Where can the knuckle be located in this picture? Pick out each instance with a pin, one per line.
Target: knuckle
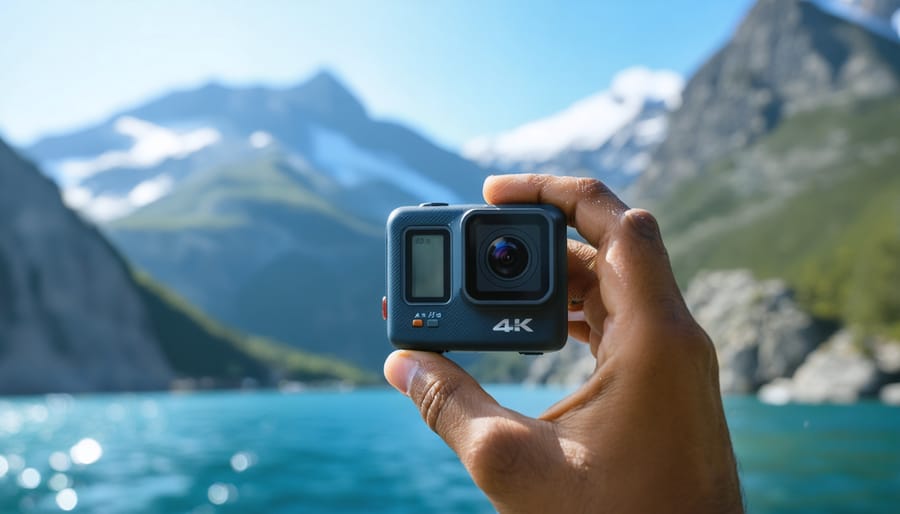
(434, 402)
(643, 223)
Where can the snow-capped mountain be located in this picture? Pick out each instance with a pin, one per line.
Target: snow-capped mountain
(139, 156)
(263, 207)
(609, 135)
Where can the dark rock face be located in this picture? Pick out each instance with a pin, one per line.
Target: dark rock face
(759, 331)
(787, 56)
(70, 317)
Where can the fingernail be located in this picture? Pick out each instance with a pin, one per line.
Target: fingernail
(399, 370)
(576, 316)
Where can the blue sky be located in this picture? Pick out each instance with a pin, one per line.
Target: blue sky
(451, 69)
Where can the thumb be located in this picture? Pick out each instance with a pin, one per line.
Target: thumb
(449, 399)
(499, 447)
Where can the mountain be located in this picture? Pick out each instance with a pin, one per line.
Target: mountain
(609, 135)
(65, 298)
(264, 207)
(786, 58)
(782, 162)
(807, 194)
(142, 154)
(73, 318)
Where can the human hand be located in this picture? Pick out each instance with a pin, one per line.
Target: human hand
(646, 433)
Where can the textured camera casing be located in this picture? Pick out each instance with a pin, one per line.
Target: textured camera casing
(464, 323)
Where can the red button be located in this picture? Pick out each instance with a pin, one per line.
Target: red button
(384, 307)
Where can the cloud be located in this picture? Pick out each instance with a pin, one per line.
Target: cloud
(152, 144)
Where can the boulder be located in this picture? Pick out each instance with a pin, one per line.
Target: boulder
(890, 394)
(759, 331)
(838, 371)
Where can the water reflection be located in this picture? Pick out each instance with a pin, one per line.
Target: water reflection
(29, 478)
(87, 451)
(67, 499)
(367, 451)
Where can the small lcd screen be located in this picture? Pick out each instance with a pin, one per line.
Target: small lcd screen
(428, 274)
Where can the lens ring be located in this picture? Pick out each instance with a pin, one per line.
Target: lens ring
(507, 257)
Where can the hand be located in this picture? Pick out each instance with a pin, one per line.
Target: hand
(646, 433)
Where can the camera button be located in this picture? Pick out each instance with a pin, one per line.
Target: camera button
(433, 204)
(384, 307)
(418, 323)
(431, 323)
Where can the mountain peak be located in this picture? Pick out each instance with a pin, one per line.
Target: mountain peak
(608, 133)
(786, 57)
(326, 95)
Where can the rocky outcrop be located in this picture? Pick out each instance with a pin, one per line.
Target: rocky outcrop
(70, 317)
(759, 331)
(844, 369)
(837, 372)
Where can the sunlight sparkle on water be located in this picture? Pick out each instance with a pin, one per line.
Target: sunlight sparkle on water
(4, 466)
(37, 413)
(58, 482)
(29, 478)
(87, 451)
(16, 462)
(240, 461)
(59, 461)
(67, 499)
(220, 493)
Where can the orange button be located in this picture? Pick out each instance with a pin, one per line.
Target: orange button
(418, 323)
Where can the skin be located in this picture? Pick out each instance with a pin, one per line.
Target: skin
(646, 432)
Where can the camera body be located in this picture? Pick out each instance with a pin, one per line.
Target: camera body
(477, 278)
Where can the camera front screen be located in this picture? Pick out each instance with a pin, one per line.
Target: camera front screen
(427, 261)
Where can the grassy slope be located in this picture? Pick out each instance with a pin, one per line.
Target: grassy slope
(835, 237)
(196, 346)
(204, 201)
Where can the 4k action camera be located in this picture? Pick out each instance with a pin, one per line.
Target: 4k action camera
(476, 277)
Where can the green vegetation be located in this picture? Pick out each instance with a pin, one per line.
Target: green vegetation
(197, 346)
(218, 199)
(823, 213)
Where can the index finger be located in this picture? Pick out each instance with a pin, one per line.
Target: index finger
(590, 207)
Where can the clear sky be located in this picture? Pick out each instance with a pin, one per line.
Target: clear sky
(451, 69)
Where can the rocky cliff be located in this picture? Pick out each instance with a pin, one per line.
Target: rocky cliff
(73, 317)
(786, 57)
(70, 317)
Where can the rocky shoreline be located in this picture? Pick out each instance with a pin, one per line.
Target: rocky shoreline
(768, 345)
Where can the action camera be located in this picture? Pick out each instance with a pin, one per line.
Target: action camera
(476, 278)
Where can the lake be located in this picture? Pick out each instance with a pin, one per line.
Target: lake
(368, 451)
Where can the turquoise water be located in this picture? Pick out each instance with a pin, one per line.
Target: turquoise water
(367, 451)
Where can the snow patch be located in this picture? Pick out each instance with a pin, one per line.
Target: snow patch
(260, 139)
(585, 125)
(152, 145)
(105, 207)
(150, 190)
(352, 166)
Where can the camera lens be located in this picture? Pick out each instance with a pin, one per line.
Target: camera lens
(507, 257)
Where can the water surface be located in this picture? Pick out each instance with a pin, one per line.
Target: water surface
(368, 451)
